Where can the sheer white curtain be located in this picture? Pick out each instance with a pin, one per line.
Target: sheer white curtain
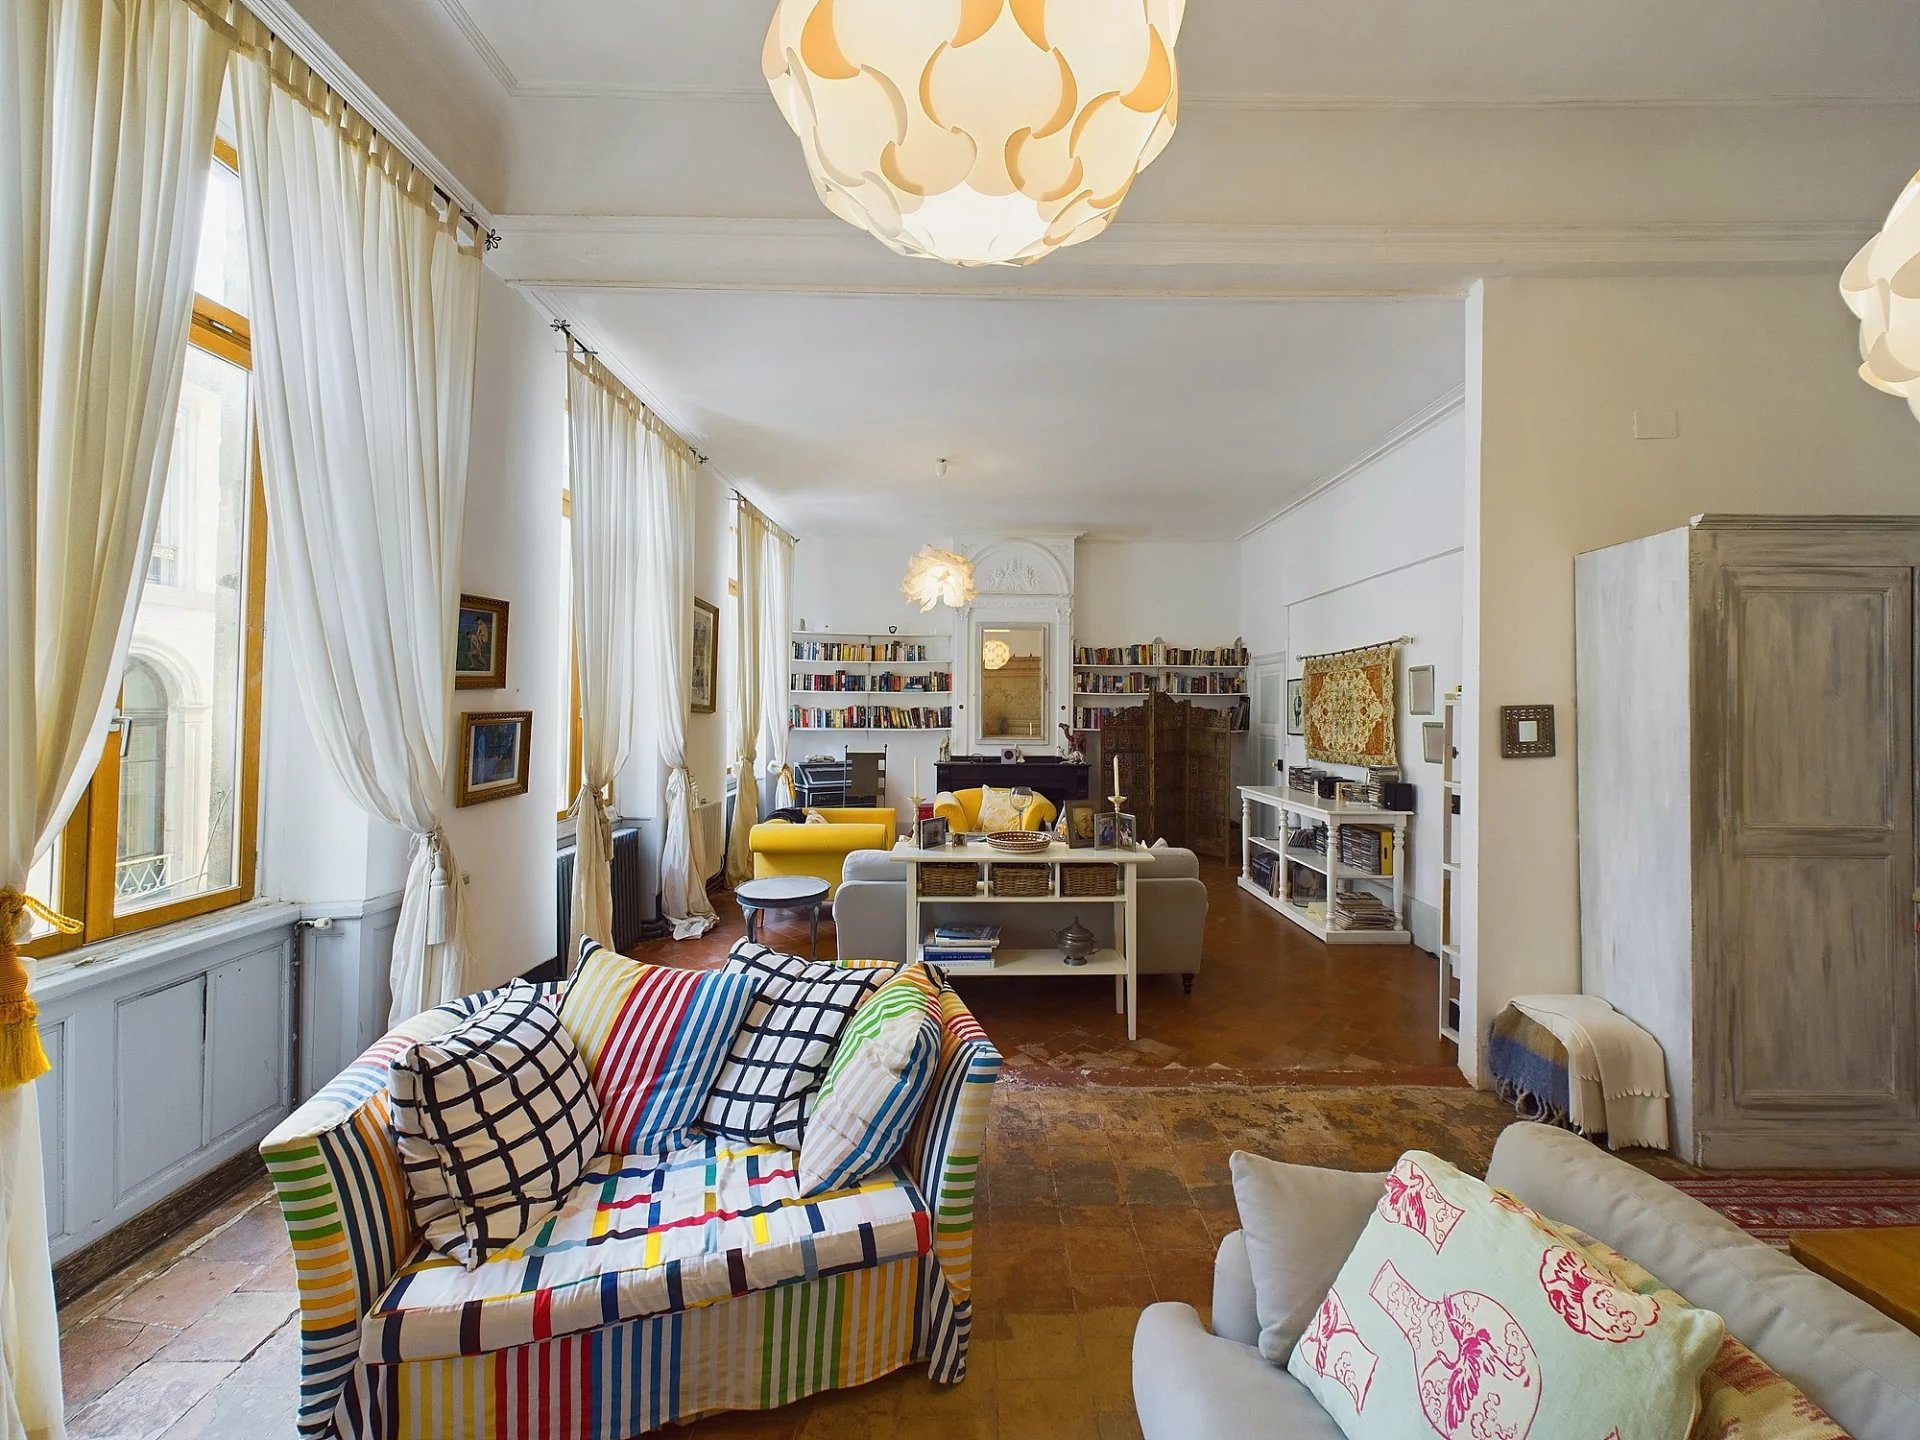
(776, 623)
(666, 476)
(365, 307)
(751, 671)
(98, 238)
(605, 434)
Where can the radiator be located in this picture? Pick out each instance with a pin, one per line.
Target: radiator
(710, 824)
(632, 896)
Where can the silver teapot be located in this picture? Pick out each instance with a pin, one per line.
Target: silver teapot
(1077, 943)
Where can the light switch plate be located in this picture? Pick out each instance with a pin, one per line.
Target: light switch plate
(1656, 424)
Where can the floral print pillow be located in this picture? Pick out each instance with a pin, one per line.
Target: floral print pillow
(1460, 1313)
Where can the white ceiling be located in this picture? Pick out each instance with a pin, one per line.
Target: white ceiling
(1355, 49)
(1127, 418)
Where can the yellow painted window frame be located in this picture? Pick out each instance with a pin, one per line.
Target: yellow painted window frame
(84, 874)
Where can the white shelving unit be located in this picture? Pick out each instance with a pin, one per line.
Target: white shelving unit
(1451, 872)
(1016, 962)
(1292, 805)
(939, 662)
(1157, 675)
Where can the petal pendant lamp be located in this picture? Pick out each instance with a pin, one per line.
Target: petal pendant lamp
(1882, 287)
(938, 577)
(979, 132)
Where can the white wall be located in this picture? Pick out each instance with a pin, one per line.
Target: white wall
(1772, 418)
(515, 476)
(1375, 556)
(1184, 592)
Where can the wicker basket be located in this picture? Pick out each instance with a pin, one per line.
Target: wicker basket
(1019, 881)
(1089, 882)
(949, 877)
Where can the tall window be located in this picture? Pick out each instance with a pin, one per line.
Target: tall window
(567, 674)
(167, 827)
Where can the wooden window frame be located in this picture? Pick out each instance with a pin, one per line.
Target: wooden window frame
(84, 871)
(575, 737)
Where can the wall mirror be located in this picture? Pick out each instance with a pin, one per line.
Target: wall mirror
(1010, 681)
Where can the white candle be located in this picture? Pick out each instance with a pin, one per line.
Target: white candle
(1116, 774)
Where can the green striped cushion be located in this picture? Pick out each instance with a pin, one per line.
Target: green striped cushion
(880, 1072)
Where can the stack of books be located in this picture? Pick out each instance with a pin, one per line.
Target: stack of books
(1358, 910)
(961, 947)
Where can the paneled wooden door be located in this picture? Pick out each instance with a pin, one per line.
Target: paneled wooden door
(1808, 961)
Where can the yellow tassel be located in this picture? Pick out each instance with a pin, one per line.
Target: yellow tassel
(22, 1056)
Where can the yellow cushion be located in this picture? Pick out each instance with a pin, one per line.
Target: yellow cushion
(998, 810)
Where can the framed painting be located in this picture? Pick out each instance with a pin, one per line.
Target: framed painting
(480, 644)
(1078, 815)
(706, 657)
(1420, 690)
(494, 747)
(1296, 707)
(1433, 742)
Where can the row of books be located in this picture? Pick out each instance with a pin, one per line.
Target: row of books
(961, 947)
(840, 681)
(1158, 654)
(869, 717)
(857, 652)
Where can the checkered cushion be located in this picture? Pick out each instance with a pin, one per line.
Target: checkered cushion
(783, 1049)
(503, 1106)
(880, 1073)
(653, 1039)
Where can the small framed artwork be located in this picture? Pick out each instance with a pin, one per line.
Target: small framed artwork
(1078, 815)
(1106, 830)
(706, 658)
(932, 833)
(1420, 690)
(480, 644)
(494, 746)
(1296, 707)
(1433, 742)
(1129, 832)
(1526, 732)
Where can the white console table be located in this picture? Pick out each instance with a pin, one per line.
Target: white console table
(1013, 960)
(1298, 804)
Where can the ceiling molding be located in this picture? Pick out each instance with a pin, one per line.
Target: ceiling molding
(1415, 425)
(826, 256)
(495, 62)
(280, 17)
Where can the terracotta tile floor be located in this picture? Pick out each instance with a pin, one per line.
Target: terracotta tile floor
(1269, 998)
(1104, 1188)
(1094, 1202)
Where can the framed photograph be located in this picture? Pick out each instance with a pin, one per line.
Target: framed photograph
(1078, 815)
(494, 745)
(931, 833)
(480, 644)
(1106, 830)
(1129, 836)
(1420, 690)
(1526, 732)
(706, 657)
(1296, 707)
(1433, 742)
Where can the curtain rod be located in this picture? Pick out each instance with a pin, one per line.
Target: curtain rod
(1356, 649)
(772, 523)
(622, 391)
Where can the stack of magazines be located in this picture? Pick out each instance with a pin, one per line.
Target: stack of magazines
(961, 947)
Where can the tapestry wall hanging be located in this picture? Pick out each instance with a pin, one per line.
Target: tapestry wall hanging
(1350, 706)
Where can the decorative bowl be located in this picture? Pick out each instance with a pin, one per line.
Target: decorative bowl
(1019, 842)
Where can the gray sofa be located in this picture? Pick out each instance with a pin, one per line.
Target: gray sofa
(870, 912)
(1192, 1383)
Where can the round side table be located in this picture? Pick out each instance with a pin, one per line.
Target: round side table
(783, 892)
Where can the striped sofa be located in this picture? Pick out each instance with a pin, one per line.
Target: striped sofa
(785, 1297)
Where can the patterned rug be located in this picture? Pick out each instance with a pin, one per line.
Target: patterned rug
(1771, 1207)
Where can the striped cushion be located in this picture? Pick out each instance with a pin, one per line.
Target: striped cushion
(653, 1039)
(880, 1073)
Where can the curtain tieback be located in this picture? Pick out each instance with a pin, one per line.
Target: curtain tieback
(22, 1057)
(589, 805)
(436, 842)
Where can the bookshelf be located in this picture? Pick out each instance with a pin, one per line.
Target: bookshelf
(857, 683)
(1452, 871)
(1110, 678)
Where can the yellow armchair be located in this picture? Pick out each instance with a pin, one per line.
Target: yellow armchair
(782, 848)
(961, 810)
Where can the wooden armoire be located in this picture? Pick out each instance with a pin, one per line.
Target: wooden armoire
(1746, 738)
(1176, 770)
